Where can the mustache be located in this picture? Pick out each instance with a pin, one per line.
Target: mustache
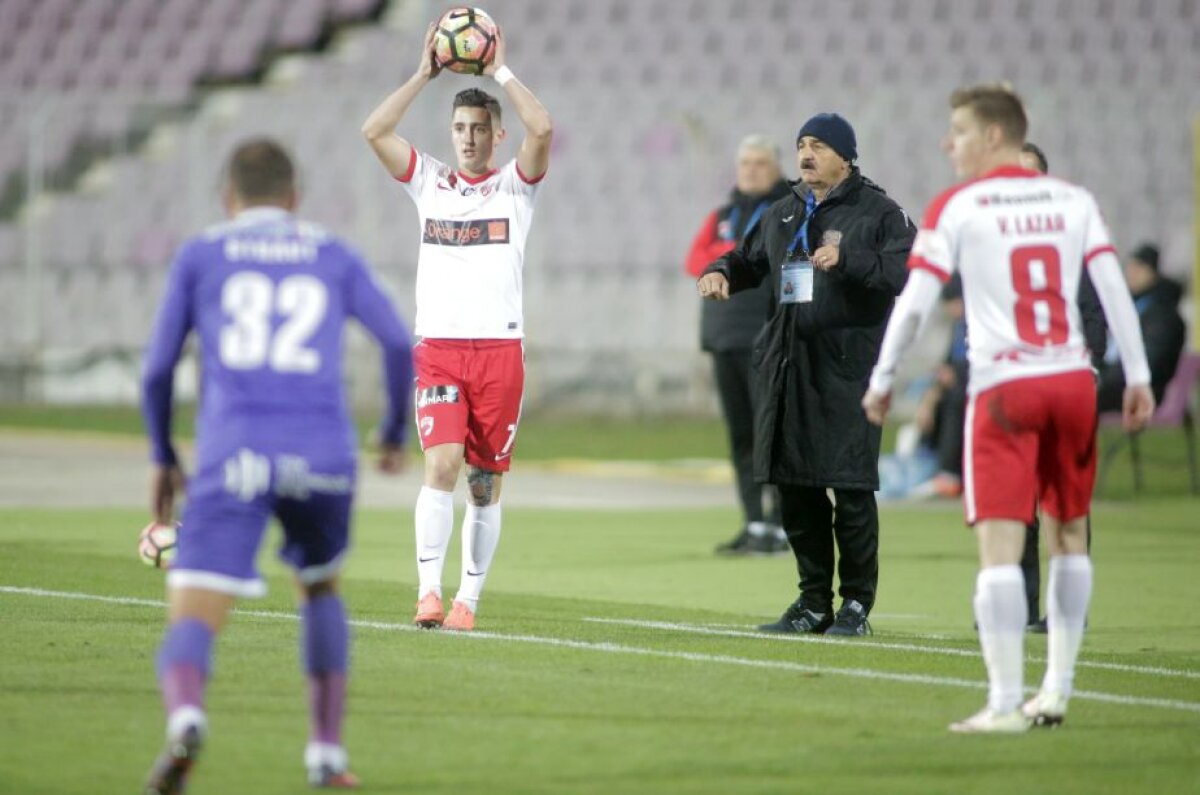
(808, 164)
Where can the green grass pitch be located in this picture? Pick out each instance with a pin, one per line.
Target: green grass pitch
(666, 693)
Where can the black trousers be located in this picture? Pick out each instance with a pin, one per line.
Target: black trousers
(731, 370)
(813, 523)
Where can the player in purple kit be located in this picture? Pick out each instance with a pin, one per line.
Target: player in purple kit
(267, 296)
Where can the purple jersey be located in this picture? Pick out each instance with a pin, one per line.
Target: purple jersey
(268, 297)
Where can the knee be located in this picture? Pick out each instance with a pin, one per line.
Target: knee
(316, 590)
(482, 486)
(441, 474)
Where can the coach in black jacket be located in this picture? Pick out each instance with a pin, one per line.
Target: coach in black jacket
(835, 253)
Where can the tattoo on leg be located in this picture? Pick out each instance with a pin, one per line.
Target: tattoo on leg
(482, 485)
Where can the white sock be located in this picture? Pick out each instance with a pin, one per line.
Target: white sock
(1067, 598)
(184, 718)
(1001, 611)
(434, 521)
(480, 537)
(757, 529)
(318, 754)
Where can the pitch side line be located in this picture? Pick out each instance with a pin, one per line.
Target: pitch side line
(699, 629)
(615, 648)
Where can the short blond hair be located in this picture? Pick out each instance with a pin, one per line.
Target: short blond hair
(994, 103)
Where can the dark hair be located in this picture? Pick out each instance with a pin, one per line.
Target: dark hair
(994, 103)
(261, 169)
(1036, 151)
(476, 98)
(1147, 254)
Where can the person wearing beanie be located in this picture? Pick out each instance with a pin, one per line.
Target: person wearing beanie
(727, 332)
(833, 253)
(1156, 299)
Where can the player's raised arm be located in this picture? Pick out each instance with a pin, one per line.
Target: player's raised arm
(534, 155)
(380, 127)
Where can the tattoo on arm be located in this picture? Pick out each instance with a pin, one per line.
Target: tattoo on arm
(482, 486)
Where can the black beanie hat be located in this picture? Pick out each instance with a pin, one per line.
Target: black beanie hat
(834, 131)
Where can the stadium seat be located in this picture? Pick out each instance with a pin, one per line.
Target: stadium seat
(1175, 411)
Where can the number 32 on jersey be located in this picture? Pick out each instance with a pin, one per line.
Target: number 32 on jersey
(250, 341)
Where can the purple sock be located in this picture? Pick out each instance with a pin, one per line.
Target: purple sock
(325, 641)
(183, 664)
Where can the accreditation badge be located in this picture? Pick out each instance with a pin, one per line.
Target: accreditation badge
(796, 285)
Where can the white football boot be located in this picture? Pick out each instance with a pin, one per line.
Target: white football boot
(988, 721)
(1047, 708)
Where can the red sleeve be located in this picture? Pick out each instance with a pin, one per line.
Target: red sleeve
(706, 247)
(412, 165)
(922, 264)
(1087, 258)
(526, 179)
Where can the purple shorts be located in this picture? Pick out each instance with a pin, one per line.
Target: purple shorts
(230, 501)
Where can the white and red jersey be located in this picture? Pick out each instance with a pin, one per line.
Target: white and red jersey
(1021, 240)
(473, 231)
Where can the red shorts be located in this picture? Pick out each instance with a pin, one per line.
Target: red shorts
(1031, 442)
(469, 393)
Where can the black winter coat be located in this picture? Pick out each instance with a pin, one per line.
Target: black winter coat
(732, 325)
(812, 360)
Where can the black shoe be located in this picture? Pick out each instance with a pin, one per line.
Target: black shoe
(170, 771)
(851, 620)
(1037, 626)
(738, 545)
(766, 544)
(798, 619)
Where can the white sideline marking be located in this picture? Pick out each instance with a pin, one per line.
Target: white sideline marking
(700, 629)
(614, 648)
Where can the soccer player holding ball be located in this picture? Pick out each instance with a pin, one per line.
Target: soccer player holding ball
(1020, 239)
(268, 296)
(469, 361)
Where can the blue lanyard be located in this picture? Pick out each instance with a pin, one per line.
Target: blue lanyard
(810, 206)
(733, 220)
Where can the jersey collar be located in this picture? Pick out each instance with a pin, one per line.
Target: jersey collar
(261, 213)
(1012, 171)
(476, 180)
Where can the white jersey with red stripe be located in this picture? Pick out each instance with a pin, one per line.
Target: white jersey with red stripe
(473, 231)
(1020, 240)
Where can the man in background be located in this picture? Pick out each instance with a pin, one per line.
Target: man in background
(727, 332)
(268, 297)
(1156, 299)
(1095, 334)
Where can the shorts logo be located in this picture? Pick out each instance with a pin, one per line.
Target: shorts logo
(476, 232)
(426, 426)
(247, 475)
(434, 395)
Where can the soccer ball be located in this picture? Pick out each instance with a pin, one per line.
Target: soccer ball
(156, 544)
(465, 41)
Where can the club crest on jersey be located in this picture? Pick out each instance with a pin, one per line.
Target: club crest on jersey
(434, 395)
(475, 232)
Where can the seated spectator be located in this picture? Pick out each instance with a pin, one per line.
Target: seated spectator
(927, 461)
(1157, 301)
